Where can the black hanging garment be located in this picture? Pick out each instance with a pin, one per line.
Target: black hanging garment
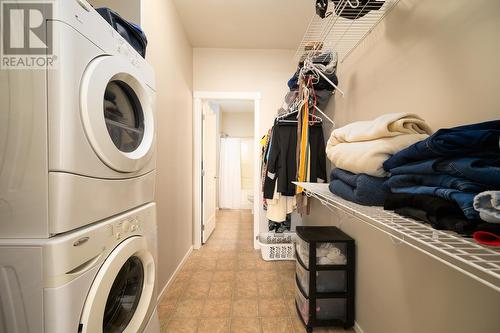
(282, 163)
(364, 7)
(322, 8)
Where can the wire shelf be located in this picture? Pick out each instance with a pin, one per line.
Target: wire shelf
(480, 262)
(338, 33)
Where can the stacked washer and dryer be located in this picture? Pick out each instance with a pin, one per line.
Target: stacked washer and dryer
(77, 176)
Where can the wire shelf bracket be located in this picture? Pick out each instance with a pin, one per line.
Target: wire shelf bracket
(482, 263)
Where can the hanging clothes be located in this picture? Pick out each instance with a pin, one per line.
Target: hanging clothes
(279, 207)
(282, 163)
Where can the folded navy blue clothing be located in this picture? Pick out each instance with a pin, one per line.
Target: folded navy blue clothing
(465, 200)
(435, 180)
(459, 224)
(451, 142)
(440, 213)
(359, 188)
(484, 170)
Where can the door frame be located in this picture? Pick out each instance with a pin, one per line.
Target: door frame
(198, 98)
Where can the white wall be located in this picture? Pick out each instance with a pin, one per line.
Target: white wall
(128, 9)
(439, 60)
(237, 124)
(171, 55)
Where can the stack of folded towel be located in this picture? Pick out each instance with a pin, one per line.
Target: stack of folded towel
(359, 188)
(359, 150)
(453, 165)
(363, 146)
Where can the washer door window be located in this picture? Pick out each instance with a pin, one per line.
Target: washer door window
(121, 296)
(117, 113)
(124, 296)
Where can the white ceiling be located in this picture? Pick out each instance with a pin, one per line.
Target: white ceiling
(234, 105)
(253, 24)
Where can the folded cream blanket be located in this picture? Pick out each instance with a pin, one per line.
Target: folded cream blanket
(362, 147)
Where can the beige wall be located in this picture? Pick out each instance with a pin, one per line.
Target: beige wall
(237, 124)
(264, 71)
(439, 60)
(171, 55)
(128, 9)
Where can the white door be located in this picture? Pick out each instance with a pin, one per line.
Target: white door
(209, 171)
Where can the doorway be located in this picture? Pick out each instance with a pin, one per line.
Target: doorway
(226, 146)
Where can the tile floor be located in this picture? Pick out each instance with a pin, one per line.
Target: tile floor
(227, 287)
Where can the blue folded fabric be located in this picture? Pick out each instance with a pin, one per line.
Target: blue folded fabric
(483, 170)
(451, 142)
(359, 188)
(465, 200)
(435, 180)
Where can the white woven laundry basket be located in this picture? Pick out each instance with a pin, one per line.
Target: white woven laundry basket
(277, 246)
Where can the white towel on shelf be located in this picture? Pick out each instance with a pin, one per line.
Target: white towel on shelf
(367, 157)
(388, 125)
(488, 205)
(363, 146)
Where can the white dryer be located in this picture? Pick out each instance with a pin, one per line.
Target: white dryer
(77, 140)
(98, 279)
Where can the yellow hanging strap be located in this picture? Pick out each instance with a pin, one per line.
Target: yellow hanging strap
(303, 145)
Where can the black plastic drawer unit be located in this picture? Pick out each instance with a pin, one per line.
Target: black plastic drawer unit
(325, 277)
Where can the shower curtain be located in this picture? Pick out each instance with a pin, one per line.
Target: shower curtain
(230, 173)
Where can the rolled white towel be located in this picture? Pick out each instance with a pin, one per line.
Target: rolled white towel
(488, 205)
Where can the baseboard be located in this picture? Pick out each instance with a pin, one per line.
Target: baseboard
(174, 275)
(358, 328)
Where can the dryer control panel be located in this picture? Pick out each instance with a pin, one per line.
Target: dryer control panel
(125, 49)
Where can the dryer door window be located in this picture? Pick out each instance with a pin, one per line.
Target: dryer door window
(124, 296)
(117, 113)
(124, 116)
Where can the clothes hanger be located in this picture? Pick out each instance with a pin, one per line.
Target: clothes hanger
(283, 118)
(326, 117)
(309, 66)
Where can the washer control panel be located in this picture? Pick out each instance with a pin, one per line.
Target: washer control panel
(126, 227)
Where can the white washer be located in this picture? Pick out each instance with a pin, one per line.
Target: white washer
(77, 141)
(98, 279)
